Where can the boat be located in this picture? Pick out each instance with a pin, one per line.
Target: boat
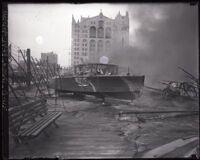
(100, 80)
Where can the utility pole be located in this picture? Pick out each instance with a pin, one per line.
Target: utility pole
(18, 56)
(47, 70)
(28, 55)
(128, 74)
(123, 42)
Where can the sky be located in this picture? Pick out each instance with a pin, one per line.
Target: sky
(47, 27)
(162, 36)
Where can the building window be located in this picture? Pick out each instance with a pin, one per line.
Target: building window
(76, 44)
(101, 23)
(76, 26)
(100, 32)
(76, 53)
(92, 45)
(84, 53)
(108, 23)
(108, 32)
(108, 46)
(84, 31)
(100, 46)
(84, 42)
(76, 40)
(92, 32)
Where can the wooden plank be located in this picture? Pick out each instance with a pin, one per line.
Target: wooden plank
(11, 110)
(41, 124)
(19, 110)
(20, 115)
(23, 111)
(38, 128)
(34, 126)
(26, 114)
(46, 124)
(48, 121)
(34, 115)
(26, 118)
(164, 149)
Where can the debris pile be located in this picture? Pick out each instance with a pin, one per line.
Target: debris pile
(186, 89)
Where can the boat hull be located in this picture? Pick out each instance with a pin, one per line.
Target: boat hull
(121, 87)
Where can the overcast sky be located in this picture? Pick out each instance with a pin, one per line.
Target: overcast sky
(162, 36)
(47, 27)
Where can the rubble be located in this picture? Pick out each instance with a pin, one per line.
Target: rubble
(174, 89)
(188, 89)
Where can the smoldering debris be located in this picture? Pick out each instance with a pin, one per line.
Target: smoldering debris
(189, 89)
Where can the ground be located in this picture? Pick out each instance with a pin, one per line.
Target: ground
(88, 129)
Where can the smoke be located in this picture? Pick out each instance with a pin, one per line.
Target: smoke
(167, 37)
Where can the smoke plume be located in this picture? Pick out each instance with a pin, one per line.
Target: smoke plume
(167, 37)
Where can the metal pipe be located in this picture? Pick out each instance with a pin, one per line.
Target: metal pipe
(33, 76)
(28, 54)
(150, 112)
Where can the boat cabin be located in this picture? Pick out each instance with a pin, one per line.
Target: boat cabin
(94, 69)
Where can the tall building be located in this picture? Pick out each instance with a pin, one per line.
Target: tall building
(94, 37)
(52, 57)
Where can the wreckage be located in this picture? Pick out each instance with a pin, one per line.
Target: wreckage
(186, 89)
(100, 80)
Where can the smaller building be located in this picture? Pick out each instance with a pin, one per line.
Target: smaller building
(52, 57)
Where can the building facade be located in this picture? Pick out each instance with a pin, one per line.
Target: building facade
(98, 36)
(52, 57)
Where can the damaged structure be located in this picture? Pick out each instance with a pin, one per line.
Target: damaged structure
(185, 89)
